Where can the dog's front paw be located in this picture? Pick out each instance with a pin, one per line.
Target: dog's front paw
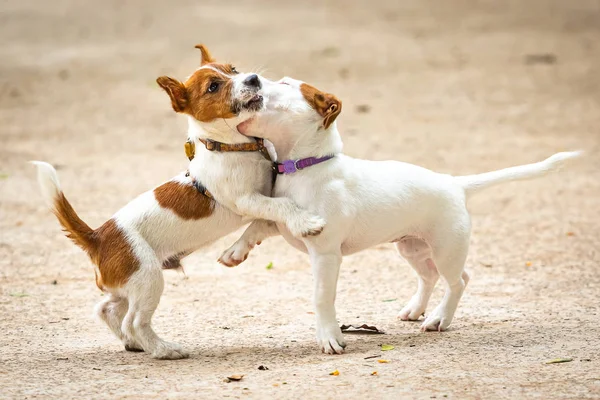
(331, 340)
(236, 254)
(436, 321)
(307, 225)
(169, 351)
(412, 311)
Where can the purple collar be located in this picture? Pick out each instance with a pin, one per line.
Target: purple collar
(290, 166)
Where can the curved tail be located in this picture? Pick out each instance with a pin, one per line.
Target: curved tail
(77, 230)
(474, 183)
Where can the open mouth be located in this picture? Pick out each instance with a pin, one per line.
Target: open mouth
(254, 104)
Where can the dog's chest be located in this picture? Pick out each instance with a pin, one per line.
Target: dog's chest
(296, 188)
(228, 176)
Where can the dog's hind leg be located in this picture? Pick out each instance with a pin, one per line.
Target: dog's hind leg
(112, 310)
(449, 255)
(418, 254)
(144, 290)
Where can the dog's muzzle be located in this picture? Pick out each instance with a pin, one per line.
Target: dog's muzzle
(253, 104)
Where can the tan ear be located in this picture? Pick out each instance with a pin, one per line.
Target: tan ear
(327, 105)
(176, 91)
(206, 58)
(334, 109)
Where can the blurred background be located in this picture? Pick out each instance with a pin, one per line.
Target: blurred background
(459, 86)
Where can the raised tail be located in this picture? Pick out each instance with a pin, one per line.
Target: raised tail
(475, 183)
(77, 230)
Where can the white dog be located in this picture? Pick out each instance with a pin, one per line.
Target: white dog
(366, 203)
(165, 224)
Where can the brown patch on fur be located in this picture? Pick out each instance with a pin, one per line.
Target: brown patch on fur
(194, 98)
(205, 58)
(115, 259)
(184, 200)
(107, 246)
(176, 91)
(327, 105)
(76, 230)
(225, 68)
(99, 281)
(204, 105)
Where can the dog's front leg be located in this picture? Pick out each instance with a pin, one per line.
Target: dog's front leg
(300, 222)
(258, 231)
(326, 268)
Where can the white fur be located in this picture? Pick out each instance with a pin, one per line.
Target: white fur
(48, 181)
(155, 234)
(367, 203)
(242, 183)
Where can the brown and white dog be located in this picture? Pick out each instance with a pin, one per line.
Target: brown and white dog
(163, 225)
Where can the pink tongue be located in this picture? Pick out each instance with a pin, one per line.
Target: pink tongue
(243, 127)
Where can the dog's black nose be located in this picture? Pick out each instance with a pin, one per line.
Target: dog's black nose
(252, 81)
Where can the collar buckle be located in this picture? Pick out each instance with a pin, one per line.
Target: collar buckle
(211, 145)
(289, 166)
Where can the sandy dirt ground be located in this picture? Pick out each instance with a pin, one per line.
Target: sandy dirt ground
(457, 86)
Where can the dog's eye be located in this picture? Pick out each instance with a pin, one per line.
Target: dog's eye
(213, 87)
(235, 71)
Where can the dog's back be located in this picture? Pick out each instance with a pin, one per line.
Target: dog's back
(166, 218)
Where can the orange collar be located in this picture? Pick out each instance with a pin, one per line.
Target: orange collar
(211, 145)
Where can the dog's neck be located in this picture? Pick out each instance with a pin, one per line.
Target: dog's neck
(223, 131)
(308, 143)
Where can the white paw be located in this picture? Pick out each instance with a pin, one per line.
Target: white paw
(169, 351)
(306, 225)
(437, 321)
(236, 254)
(412, 311)
(331, 340)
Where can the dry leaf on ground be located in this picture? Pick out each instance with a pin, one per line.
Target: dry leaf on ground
(363, 329)
(559, 360)
(234, 378)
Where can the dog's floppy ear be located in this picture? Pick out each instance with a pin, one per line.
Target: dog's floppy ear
(327, 105)
(334, 108)
(176, 91)
(206, 58)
